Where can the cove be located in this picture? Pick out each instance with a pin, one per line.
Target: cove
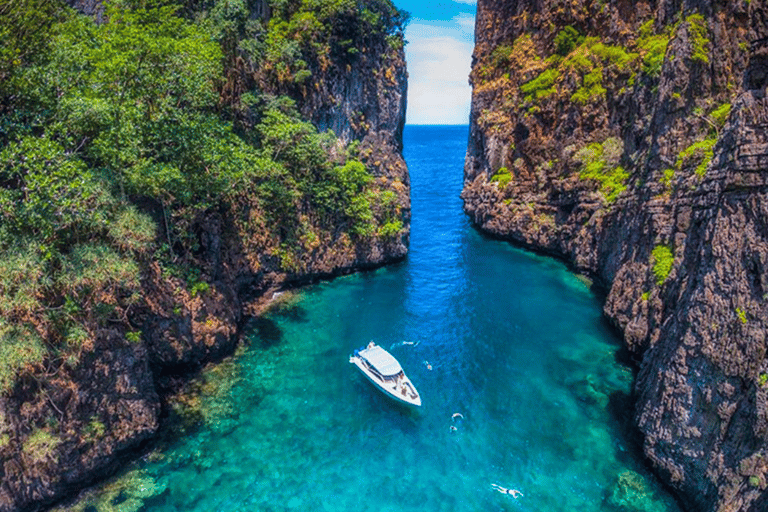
(512, 341)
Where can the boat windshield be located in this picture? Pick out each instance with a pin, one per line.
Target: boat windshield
(381, 360)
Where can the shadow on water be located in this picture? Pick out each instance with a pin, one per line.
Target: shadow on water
(265, 331)
(621, 411)
(403, 417)
(290, 311)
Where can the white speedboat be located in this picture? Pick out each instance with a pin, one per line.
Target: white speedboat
(385, 372)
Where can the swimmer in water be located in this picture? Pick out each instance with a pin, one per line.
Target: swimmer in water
(453, 429)
(404, 343)
(503, 490)
(429, 366)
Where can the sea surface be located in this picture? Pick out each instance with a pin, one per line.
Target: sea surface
(521, 380)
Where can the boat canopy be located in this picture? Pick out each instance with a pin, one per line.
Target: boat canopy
(381, 360)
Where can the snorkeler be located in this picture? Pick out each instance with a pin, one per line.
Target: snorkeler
(503, 490)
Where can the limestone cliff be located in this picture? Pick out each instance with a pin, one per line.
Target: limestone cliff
(630, 138)
(68, 423)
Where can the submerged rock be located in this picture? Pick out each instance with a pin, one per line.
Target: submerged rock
(631, 494)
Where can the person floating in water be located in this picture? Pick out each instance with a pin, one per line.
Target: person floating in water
(503, 490)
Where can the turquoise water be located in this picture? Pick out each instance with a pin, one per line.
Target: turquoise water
(512, 341)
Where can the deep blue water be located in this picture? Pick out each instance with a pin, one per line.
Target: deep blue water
(512, 341)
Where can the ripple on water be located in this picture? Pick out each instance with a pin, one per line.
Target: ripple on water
(516, 344)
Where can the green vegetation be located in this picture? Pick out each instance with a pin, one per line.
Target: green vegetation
(701, 152)
(666, 178)
(540, 87)
(500, 55)
(600, 162)
(117, 138)
(661, 263)
(720, 114)
(762, 379)
(503, 176)
(742, 315)
(566, 40)
(41, 446)
(699, 37)
(587, 59)
(591, 65)
(646, 296)
(653, 48)
(95, 429)
(302, 35)
(23, 30)
(20, 349)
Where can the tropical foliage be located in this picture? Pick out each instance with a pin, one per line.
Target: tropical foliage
(117, 136)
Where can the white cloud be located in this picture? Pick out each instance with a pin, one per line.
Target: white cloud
(439, 57)
(465, 22)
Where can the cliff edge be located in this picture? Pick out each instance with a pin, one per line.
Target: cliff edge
(150, 200)
(630, 139)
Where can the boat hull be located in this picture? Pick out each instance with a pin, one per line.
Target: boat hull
(392, 391)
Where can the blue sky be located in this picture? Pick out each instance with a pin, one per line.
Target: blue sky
(439, 52)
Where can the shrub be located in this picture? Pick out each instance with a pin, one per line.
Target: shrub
(720, 114)
(698, 33)
(590, 61)
(591, 88)
(661, 263)
(94, 430)
(95, 267)
(391, 229)
(20, 349)
(132, 231)
(503, 176)
(41, 446)
(566, 40)
(198, 288)
(23, 281)
(541, 86)
(666, 178)
(701, 151)
(48, 192)
(500, 56)
(613, 55)
(653, 48)
(600, 162)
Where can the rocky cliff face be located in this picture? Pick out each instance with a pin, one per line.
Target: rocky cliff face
(630, 138)
(74, 422)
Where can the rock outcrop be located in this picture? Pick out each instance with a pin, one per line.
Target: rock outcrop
(631, 138)
(75, 422)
